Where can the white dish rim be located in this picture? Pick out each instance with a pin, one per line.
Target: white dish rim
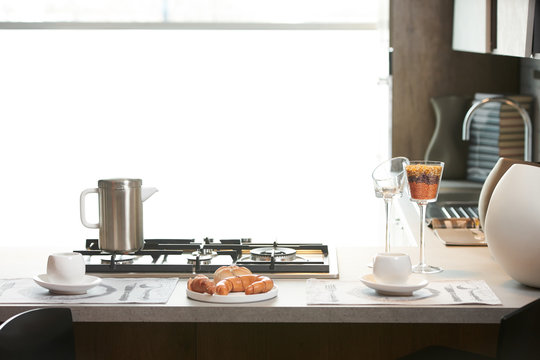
(232, 298)
(67, 289)
(395, 289)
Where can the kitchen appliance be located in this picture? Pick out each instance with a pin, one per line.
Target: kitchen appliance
(453, 210)
(120, 214)
(500, 168)
(186, 257)
(511, 224)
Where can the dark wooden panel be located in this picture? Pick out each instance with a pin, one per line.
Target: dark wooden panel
(337, 341)
(274, 341)
(424, 66)
(263, 341)
(134, 341)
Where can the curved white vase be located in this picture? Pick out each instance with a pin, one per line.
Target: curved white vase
(512, 224)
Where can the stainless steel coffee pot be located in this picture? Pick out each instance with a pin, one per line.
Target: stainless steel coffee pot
(120, 214)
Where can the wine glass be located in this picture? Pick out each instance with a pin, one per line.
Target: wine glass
(423, 179)
(389, 181)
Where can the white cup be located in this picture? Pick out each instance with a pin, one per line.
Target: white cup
(392, 268)
(65, 268)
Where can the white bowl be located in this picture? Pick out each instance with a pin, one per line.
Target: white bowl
(512, 224)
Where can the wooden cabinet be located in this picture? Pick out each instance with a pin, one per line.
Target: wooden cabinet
(472, 26)
(515, 22)
(500, 27)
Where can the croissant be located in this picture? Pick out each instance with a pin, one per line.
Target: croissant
(201, 284)
(250, 284)
(230, 271)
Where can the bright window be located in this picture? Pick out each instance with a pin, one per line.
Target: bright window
(246, 133)
(206, 11)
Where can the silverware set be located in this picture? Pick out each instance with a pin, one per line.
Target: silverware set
(332, 289)
(128, 289)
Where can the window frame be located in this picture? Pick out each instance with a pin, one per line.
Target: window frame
(186, 26)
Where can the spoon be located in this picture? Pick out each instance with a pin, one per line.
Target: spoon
(149, 288)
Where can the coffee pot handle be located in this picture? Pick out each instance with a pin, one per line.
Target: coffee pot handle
(83, 207)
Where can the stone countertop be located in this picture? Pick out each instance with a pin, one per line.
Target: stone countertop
(290, 305)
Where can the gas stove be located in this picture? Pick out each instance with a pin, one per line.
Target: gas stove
(186, 257)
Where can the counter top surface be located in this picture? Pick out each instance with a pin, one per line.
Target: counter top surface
(290, 305)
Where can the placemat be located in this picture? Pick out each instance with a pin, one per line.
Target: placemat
(447, 292)
(109, 291)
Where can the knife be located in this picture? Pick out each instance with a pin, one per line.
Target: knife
(127, 290)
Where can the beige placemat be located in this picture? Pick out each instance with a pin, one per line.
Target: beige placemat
(451, 292)
(109, 291)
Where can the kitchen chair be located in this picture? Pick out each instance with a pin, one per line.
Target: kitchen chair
(45, 333)
(519, 338)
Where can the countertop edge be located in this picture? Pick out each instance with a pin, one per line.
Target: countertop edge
(262, 314)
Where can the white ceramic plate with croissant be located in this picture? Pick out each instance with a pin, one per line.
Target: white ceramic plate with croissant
(233, 297)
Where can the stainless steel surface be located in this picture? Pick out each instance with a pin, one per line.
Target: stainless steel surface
(119, 259)
(279, 254)
(200, 256)
(448, 210)
(522, 112)
(120, 215)
(457, 199)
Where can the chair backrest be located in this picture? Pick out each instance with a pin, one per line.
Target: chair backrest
(45, 333)
(519, 334)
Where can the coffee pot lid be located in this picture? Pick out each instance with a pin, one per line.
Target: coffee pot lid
(119, 183)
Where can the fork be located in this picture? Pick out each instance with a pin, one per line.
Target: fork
(452, 292)
(148, 289)
(127, 290)
(332, 289)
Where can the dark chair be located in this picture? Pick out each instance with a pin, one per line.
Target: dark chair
(45, 333)
(519, 339)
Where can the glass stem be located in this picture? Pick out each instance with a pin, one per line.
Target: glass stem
(387, 208)
(422, 207)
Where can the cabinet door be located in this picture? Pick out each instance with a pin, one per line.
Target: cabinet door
(515, 20)
(472, 26)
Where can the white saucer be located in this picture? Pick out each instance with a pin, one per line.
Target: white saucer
(414, 282)
(87, 282)
(232, 298)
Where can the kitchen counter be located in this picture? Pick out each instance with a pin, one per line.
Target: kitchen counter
(290, 305)
(286, 327)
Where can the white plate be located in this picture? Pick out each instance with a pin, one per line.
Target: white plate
(87, 282)
(232, 298)
(415, 282)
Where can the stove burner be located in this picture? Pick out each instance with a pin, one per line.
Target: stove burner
(184, 257)
(119, 259)
(204, 252)
(197, 255)
(278, 253)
